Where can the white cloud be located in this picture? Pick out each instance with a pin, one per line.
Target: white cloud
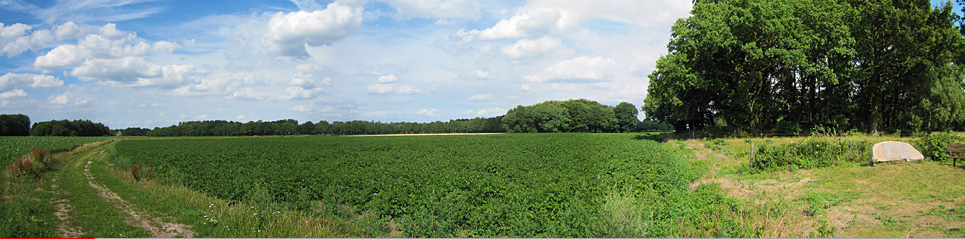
(446, 9)
(13, 94)
(580, 68)
(526, 88)
(480, 97)
(70, 30)
(298, 92)
(72, 96)
(428, 112)
(388, 79)
(127, 69)
(14, 39)
(490, 112)
(219, 84)
(527, 48)
(481, 74)
(110, 43)
(288, 33)
(13, 80)
(247, 93)
(393, 88)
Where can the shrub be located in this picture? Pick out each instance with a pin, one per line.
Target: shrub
(810, 153)
(934, 146)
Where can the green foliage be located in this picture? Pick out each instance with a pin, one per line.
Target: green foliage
(790, 65)
(810, 153)
(12, 147)
(355, 127)
(570, 116)
(935, 146)
(513, 185)
(69, 128)
(14, 125)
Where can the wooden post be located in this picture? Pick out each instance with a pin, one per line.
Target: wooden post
(752, 153)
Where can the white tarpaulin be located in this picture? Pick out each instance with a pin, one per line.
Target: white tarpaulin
(894, 151)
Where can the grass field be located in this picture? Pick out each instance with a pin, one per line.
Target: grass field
(922, 199)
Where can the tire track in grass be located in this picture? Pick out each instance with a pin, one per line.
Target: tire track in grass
(138, 219)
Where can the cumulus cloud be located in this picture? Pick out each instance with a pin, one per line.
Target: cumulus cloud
(428, 112)
(14, 80)
(527, 48)
(304, 77)
(72, 96)
(70, 30)
(446, 9)
(480, 97)
(289, 33)
(580, 68)
(481, 74)
(487, 112)
(127, 69)
(14, 39)
(18, 93)
(393, 88)
(220, 84)
(109, 43)
(299, 92)
(388, 79)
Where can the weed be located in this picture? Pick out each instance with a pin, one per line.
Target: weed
(139, 172)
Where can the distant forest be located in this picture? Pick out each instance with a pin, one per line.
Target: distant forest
(551, 116)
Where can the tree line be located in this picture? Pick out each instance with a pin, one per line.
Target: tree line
(793, 65)
(292, 127)
(550, 116)
(576, 116)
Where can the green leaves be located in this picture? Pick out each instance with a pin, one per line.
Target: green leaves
(810, 63)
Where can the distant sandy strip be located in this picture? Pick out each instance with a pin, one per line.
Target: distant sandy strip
(367, 135)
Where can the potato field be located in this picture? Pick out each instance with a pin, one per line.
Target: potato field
(511, 185)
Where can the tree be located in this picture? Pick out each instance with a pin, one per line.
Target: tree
(751, 65)
(14, 125)
(626, 115)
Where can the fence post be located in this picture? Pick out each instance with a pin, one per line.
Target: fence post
(752, 153)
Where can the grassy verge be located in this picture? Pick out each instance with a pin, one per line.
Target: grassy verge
(849, 200)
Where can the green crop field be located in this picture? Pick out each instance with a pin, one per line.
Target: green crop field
(15, 146)
(515, 185)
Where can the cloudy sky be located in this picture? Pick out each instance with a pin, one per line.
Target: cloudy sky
(148, 63)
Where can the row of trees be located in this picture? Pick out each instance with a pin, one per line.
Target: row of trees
(551, 116)
(571, 116)
(761, 65)
(291, 127)
(14, 125)
(69, 128)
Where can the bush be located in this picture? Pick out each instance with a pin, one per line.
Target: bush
(934, 146)
(810, 153)
(35, 164)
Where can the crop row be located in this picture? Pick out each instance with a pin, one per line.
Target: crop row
(15, 146)
(541, 185)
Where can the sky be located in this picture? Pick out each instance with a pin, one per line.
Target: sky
(154, 63)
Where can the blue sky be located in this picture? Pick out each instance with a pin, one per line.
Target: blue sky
(149, 63)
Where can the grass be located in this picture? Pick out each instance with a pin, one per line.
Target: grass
(917, 199)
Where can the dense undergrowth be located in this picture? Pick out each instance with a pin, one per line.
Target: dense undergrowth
(546, 185)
